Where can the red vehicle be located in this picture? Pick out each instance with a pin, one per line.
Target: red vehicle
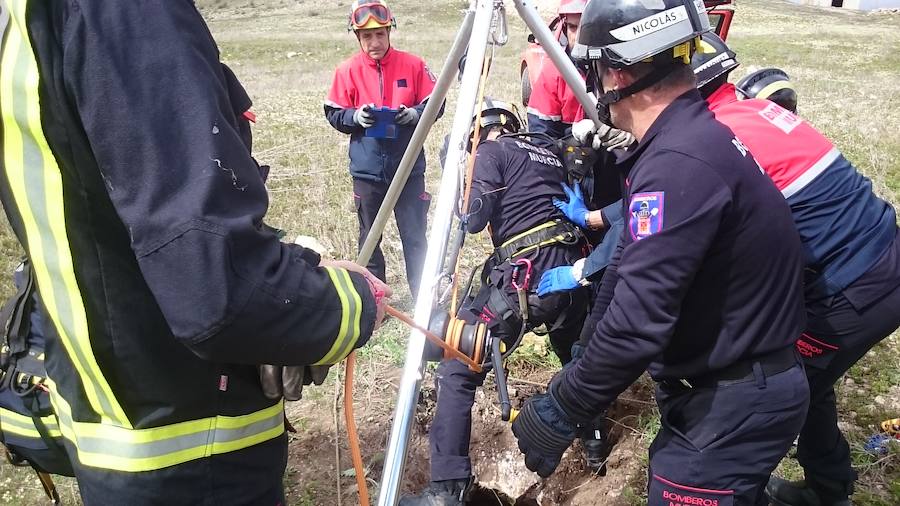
(720, 14)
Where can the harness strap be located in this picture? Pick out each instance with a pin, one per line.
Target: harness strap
(545, 234)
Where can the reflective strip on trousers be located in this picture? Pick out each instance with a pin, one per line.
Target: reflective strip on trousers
(36, 185)
(22, 425)
(351, 314)
(135, 450)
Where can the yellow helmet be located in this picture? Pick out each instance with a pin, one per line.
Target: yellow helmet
(365, 14)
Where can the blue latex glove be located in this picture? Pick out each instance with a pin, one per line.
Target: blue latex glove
(574, 209)
(544, 432)
(557, 279)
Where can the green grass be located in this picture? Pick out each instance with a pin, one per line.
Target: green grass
(844, 65)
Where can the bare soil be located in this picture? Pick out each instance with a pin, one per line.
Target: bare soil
(501, 476)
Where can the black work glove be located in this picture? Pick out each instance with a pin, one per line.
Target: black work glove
(544, 432)
(288, 381)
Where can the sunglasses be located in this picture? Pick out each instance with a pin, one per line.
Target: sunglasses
(362, 14)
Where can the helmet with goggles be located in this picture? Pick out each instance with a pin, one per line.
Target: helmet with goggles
(367, 14)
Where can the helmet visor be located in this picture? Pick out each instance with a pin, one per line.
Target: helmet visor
(374, 12)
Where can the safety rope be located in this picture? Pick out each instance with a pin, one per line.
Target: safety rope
(475, 366)
(470, 172)
(352, 434)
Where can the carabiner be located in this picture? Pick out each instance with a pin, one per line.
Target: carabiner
(517, 267)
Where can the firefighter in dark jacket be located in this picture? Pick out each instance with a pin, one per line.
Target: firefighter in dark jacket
(142, 211)
(688, 295)
(382, 76)
(515, 179)
(852, 254)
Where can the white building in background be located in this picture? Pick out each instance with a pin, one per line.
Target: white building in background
(862, 5)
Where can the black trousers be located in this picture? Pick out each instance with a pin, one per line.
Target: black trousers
(718, 445)
(451, 428)
(837, 336)
(411, 214)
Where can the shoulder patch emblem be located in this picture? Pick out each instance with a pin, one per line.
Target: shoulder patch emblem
(646, 211)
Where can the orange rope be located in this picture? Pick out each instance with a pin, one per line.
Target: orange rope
(352, 435)
(470, 171)
(433, 338)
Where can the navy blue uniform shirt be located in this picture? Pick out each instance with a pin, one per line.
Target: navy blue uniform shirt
(708, 271)
(514, 183)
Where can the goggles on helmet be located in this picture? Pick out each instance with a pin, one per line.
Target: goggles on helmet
(379, 13)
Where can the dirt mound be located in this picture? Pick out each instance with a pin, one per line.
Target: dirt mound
(502, 478)
(499, 466)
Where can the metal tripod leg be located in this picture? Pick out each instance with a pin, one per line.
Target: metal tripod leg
(395, 455)
(529, 14)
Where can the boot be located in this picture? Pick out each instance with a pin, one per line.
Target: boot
(441, 493)
(595, 449)
(809, 492)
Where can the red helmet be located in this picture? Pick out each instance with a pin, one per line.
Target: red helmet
(571, 7)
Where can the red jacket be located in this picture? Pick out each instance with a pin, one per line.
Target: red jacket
(399, 78)
(552, 107)
(845, 228)
(790, 150)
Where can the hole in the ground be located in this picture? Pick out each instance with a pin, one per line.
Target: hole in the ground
(483, 496)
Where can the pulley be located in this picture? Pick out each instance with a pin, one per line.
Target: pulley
(475, 341)
(472, 340)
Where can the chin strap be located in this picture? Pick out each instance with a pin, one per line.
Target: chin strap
(613, 96)
(655, 76)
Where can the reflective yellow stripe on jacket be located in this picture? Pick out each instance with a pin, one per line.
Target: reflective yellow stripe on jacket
(21, 425)
(134, 450)
(351, 314)
(36, 185)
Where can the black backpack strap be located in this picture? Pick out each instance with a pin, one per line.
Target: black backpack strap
(15, 316)
(52, 443)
